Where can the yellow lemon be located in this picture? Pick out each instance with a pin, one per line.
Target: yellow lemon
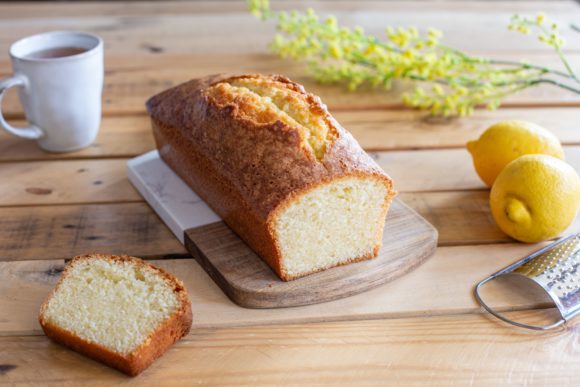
(506, 141)
(535, 198)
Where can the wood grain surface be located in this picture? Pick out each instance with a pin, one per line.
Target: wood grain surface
(426, 327)
(375, 129)
(467, 349)
(105, 180)
(62, 231)
(449, 274)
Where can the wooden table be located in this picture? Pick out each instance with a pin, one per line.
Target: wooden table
(53, 206)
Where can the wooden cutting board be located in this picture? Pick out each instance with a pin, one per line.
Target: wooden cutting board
(408, 240)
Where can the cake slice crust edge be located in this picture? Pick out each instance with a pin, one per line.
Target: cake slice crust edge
(158, 341)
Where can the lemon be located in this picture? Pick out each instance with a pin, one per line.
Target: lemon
(505, 141)
(535, 198)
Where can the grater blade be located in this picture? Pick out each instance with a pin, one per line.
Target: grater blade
(556, 269)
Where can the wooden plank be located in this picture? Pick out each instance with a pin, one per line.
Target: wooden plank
(105, 181)
(430, 170)
(52, 232)
(376, 130)
(121, 136)
(441, 170)
(445, 350)
(75, 181)
(443, 285)
(408, 129)
(461, 218)
(179, 30)
(131, 79)
(21, 10)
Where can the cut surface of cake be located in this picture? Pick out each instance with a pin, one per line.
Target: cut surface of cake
(117, 309)
(268, 157)
(335, 223)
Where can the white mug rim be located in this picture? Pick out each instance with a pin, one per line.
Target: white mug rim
(90, 52)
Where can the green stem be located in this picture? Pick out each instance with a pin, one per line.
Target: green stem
(558, 51)
(555, 83)
(566, 64)
(469, 59)
(531, 84)
(531, 66)
(569, 75)
(359, 59)
(500, 96)
(524, 83)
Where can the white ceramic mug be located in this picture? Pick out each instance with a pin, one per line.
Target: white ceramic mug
(61, 95)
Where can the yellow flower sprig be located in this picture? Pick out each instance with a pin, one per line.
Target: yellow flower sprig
(458, 82)
(549, 36)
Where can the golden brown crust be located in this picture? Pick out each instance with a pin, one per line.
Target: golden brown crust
(244, 169)
(159, 341)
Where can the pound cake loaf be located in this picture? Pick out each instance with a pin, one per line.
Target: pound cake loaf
(118, 310)
(268, 158)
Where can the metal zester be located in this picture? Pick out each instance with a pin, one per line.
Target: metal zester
(556, 268)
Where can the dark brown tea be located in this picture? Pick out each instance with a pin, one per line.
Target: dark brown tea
(57, 52)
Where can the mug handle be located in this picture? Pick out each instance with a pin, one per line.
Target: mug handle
(30, 132)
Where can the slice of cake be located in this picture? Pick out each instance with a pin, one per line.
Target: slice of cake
(118, 310)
